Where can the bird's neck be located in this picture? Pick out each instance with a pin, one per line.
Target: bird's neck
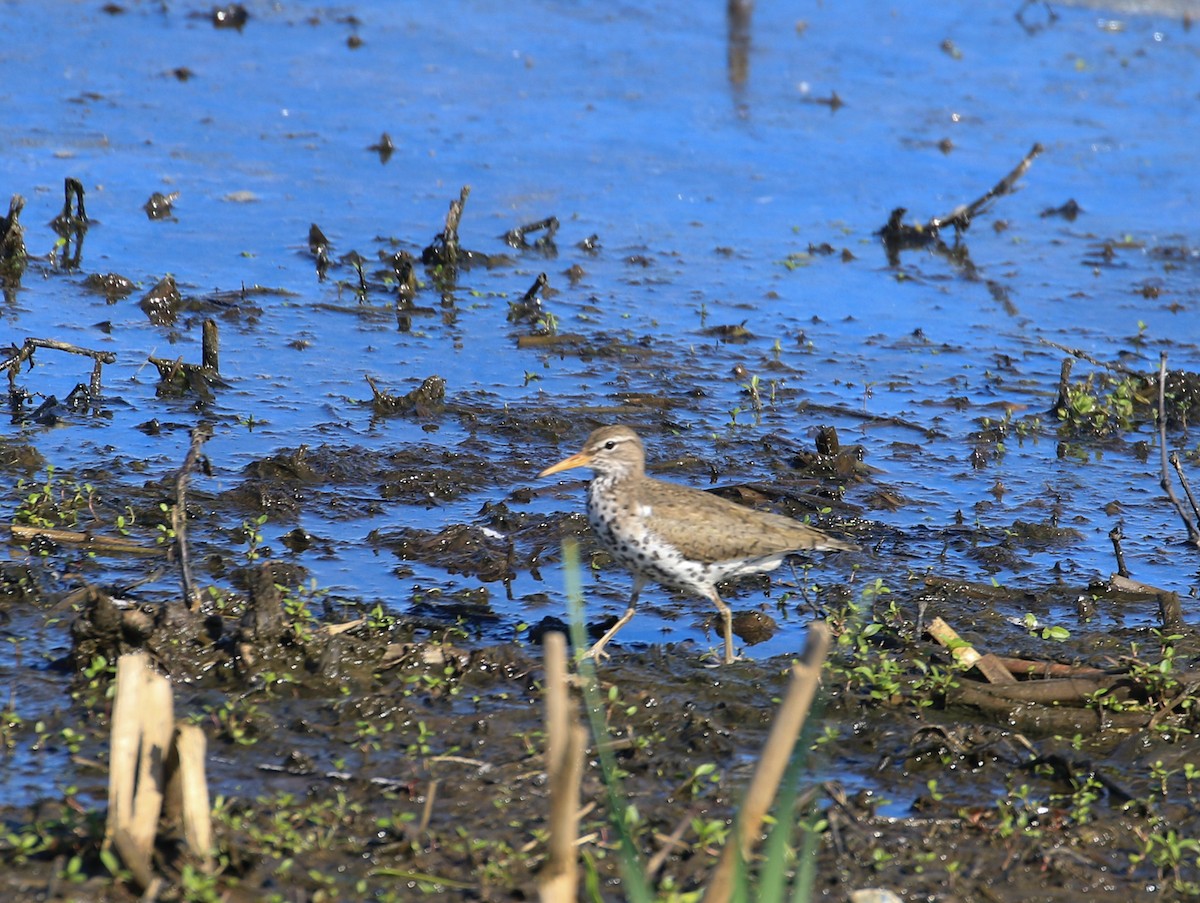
(610, 483)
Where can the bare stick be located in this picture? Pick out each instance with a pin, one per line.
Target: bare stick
(1116, 534)
(427, 809)
(93, 543)
(670, 844)
(94, 382)
(453, 218)
(158, 728)
(1127, 585)
(989, 666)
(1183, 481)
(25, 353)
(210, 346)
(897, 236)
(179, 515)
(565, 742)
(785, 731)
(29, 345)
(1165, 480)
(1084, 356)
(962, 216)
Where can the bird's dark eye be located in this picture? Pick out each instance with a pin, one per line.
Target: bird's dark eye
(610, 445)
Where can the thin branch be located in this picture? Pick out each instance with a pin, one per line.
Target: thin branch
(1183, 481)
(1165, 480)
(1116, 534)
(1084, 356)
(179, 514)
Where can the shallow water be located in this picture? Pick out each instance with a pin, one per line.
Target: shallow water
(627, 122)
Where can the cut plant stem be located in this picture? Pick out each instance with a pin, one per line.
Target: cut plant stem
(785, 730)
(565, 743)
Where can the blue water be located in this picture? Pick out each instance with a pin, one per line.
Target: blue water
(622, 121)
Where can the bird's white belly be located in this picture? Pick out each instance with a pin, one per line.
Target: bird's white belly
(626, 535)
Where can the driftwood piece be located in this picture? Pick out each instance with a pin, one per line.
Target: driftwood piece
(1030, 717)
(988, 665)
(898, 236)
(89, 541)
(1084, 356)
(25, 353)
(516, 237)
(1027, 668)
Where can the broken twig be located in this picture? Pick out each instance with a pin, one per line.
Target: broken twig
(988, 665)
(25, 353)
(1165, 479)
(179, 515)
(898, 236)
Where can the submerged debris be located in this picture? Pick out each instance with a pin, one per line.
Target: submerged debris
(427, 399)
(112, 286)
(1068, 211)
(318, 246)
(161, 303)
(178, 378)
(384, 147)
(74, 218)
(12, 239)
(898, 236)
(529, 309)
(159, 205)
(459, 548)
(516, 238)
(445, 251)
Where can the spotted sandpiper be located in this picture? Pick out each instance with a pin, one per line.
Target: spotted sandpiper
(681, 537)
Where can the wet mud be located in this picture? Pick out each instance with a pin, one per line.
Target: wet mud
(357, 752)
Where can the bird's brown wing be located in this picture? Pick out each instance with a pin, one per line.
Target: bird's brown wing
(709, 528)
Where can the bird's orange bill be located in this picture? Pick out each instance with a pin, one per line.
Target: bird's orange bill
(582, 459)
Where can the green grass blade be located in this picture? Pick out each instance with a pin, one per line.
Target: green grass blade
(633, 875)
